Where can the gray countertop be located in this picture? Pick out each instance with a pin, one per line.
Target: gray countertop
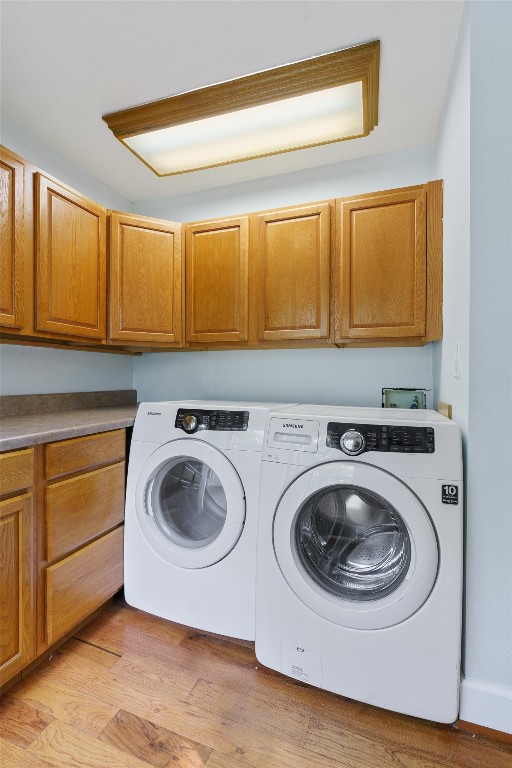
(31, 420)
(36, 428)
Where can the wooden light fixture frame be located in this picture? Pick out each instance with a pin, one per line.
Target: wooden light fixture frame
(350, 65)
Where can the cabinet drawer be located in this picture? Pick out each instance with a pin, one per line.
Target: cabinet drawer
(81, 453)
(16, 471)
(82, 507)
(80, 583)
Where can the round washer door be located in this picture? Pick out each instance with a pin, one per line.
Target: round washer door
(355, 545)
(190, 503)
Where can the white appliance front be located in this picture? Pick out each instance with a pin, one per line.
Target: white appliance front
(355, 545)
(191, 513)
(359, 572)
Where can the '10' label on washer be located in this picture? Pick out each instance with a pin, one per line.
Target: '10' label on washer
(450, 494)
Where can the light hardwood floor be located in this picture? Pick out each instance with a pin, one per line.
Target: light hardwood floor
(132, 691)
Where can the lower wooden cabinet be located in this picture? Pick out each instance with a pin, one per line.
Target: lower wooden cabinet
(17, 625)
(61, 541)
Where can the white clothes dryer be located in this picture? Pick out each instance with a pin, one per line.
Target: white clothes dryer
(191, 513)
(359, 564)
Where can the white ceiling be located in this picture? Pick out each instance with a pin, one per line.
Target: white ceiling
(65, 64)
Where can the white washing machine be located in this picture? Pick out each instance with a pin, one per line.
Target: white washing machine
(359, 565)
(191, 513)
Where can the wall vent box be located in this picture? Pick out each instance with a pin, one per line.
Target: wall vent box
(404, 398)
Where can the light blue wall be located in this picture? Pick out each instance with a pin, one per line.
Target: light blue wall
(40, 370)
(335, 376)
(474, 157)
(452, 164)
(488, 657)
(29, 147)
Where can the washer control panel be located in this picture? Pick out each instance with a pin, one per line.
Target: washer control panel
(354, 439)
(191, 421)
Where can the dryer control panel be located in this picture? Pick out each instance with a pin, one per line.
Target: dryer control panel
(191, 421)
(354, 439)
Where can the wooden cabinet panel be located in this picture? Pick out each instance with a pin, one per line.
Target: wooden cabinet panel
(16, 471)
(434, 313)
(79, 509)
(12, 240)
(145, 299)
(217, 281)
(80, 583)
(383, 265)
(17, 630)
(79, 453)
(70, 256)
(293, 266)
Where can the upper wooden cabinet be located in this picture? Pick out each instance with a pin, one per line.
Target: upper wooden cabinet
(12, 241)
(70, 257)
(384, 286)
(364, 270)
(292, 251)
(217, 281)
(145, 266)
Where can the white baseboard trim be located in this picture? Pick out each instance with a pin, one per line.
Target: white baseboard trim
(487, 705)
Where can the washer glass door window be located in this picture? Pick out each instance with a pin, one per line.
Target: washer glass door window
(356, 545)
(190, 503)
(353, 543)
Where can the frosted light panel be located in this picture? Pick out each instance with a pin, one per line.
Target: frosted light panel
(315, 118)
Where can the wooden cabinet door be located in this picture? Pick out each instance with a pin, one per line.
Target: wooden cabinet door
(17, 629)
(292, 253)
(217, 281)
(383, 265)
(70, 255)
(12, 240)
(145, 291)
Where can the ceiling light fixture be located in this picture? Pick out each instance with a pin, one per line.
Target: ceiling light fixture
(317, 101)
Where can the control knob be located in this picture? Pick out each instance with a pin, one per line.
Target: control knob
(190, 422)
(352, 442)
